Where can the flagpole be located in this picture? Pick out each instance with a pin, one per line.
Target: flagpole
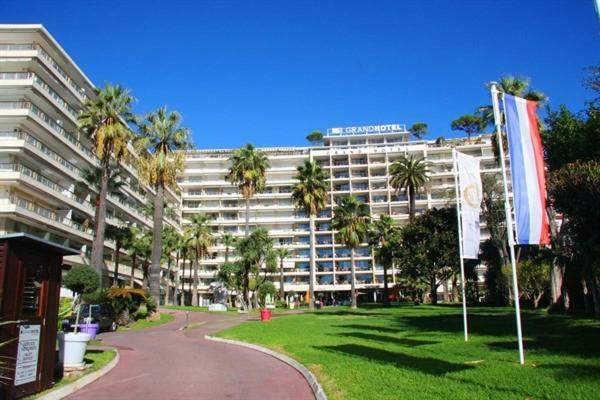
(509, 223)
(460, 245)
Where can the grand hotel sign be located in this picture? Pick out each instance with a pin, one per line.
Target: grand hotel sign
(367, 129)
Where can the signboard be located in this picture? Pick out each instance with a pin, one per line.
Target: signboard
(367, 129)
(27, 354)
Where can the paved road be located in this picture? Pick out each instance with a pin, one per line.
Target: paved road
(166, 363)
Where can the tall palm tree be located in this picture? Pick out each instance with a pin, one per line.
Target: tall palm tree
(185, 251)
(310, 194)
(409, 173)
(383, 239)
(350, 220)
(200, 239)
(161, 136)
(91, 178)
(104, 120)
(249, 172)
(139, 249)
(121, 236)
(177, 247)
(513, 85)
(227, 240)
(282, 253)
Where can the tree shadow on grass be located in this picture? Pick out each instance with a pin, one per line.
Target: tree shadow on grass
(558, 334)
(575, 372)
(370, 328)
(381, 338)
(426, 365)
(327, 313)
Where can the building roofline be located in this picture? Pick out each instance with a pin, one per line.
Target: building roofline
(40, 28)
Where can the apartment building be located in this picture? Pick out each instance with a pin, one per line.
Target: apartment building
(42, 156)
(357, 160)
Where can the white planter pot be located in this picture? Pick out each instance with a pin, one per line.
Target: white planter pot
(75, 346)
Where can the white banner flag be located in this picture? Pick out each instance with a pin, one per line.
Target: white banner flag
(469, 178)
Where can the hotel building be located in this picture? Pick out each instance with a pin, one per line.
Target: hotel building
(42, 157)
(357, 160)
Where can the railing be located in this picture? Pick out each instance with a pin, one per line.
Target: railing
(54, 95)
(16, 46)
(61, 72)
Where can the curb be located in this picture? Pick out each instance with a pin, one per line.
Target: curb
(84, 381)
(309, 376)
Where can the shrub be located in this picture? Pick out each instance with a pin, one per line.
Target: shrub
(267, 288)
(280, 304)
(96, 297)
(82, 279)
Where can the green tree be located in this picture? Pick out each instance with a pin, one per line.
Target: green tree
(470, 124)
(428, 248)
(534, 279)
(231, 274)
(266, 289)
(228, 240)
(104, 119)
(170, 240)
(200, 239)
(282, 253)
(139, 249)
(410, 174)
(161, 139)
(249, 172)
(121, 235)
(315, 138)
(310, 195)
(351, 219)
(255, 251)
(419, 130)
(383, 238)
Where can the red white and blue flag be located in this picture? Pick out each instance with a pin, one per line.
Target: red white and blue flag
(527, 170)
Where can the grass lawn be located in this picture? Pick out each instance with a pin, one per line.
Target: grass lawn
(197, 309)
(146, 323)
(418, 352)
(97, 359)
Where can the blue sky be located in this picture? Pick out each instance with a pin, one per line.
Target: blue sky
(269, 72)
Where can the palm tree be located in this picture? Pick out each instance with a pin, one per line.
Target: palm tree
(169, 241)
(350, 220)
(139, 249)
(185, 251)
(249, 172)
(409, 173)
(200, 239)
(121, 235)
(228, 240)
(104, 120)
(282, 253)
(513, 85)
(310, 194)
(383, 239)
(91, 178)
(160, 162)
(177, 247)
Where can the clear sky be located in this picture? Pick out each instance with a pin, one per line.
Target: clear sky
(269, 72)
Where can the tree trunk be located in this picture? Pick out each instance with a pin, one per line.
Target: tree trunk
(183, 279)
(455, 295)
(167, 280)
(386, 295)
(433, 291)
(246, 288)
(536, 300)
(195, 282)
(176, 288)
(117, 257)
(132, 276)
(592, 285)
(411, 203)
(281, 289)
(446, 295)
(97, 258)
(157, 242)
(312, 264)
(145, 273)
(557, 272)
(247, 231)
(353, 277)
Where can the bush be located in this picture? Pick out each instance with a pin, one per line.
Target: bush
(280, 304)
(267, 288)
(96, 297)
(82, 279)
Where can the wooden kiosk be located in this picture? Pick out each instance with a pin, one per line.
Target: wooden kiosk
(30, 275)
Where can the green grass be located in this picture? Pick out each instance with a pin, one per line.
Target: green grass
(146, 323)
(97, 359)
(418, 352)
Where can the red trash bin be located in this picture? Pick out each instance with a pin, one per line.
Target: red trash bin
(265, 315)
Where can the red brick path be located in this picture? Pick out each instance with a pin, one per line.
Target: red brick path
(165, 363)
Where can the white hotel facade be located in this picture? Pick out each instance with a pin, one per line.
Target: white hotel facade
(42, 156)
